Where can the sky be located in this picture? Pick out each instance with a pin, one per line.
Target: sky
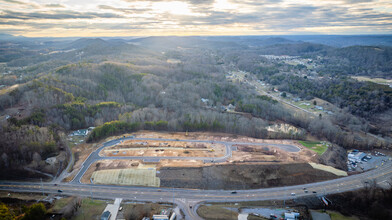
(91, 18)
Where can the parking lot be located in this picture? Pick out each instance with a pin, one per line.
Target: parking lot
(376, 160)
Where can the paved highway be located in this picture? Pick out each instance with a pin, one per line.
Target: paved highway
(189, 197)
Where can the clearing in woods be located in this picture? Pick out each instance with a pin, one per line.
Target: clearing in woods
(319, 147)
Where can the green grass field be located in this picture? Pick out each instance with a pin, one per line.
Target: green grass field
(61, 203)
(375, 80)
(304, 106)
(142, 210)
(338, 216)
(131, 177)
(91, 209)
(316, 146)
(216, 212)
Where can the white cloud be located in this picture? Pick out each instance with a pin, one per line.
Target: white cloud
(190, 17)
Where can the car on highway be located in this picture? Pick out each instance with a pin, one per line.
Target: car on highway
(60, 191)
(293, 194)
(234, 192)
(314, 192)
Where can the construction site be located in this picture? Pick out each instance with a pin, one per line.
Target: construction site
(205, 161)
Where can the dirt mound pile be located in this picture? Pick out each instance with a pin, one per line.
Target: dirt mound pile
(241, 176)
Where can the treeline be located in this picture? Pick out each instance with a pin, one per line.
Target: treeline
(29, 146)
(374, 61)
(79, 114)
(360, 98)
(110, 129)
(299, 49)
(159, 95)
(34, 212)
(358, 60)
(371, 202)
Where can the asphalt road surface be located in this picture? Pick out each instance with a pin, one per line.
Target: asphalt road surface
(189, 199)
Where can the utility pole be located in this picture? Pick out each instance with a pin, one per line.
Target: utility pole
(173, 198)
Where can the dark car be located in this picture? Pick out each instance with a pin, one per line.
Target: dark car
(60, 191)
(314, 192)
(234, 192)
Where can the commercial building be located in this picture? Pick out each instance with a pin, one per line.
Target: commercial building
(356, 156)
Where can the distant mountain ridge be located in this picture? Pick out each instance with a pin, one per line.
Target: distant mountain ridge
(85, 42)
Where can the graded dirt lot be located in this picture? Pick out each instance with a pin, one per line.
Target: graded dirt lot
(244, 176)
(249, 167)
(244, 153)
(164, 149)
(103, 165)
(271, 154)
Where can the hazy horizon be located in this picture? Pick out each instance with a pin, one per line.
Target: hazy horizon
(259, 35)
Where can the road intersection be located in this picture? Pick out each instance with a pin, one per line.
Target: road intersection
(189, 199)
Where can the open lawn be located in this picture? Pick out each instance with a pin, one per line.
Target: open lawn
(316, 146)
(22, 196)
(131, 177)
(309, 107)
(91, 209)
(138, 211)
(216, 212)
(330, 169)
(61, 203)
(375, 80)
(338, 216)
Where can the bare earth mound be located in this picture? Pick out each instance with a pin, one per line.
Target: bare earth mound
(241, 176)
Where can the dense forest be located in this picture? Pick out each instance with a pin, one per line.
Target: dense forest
(361, 98)
(180, 84)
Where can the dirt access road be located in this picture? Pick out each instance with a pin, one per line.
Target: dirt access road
(95, 156)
